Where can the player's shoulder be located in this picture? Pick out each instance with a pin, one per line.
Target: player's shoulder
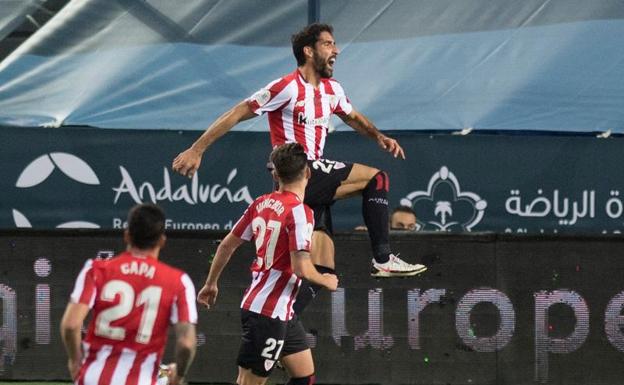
(283, 82)
(332, 86)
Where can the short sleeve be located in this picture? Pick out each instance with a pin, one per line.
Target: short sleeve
(184, 308)
(272, 97)
(300, 224)
(242, 228)
(342, 103)
(84, 289)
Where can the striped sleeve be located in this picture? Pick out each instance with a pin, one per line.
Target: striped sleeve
(184, 308)
(343, 104)
(272, 97)
(84, 288)
(242, 228)
(299, 224)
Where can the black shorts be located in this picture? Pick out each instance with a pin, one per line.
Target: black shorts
(296, 340)
(266, 339)
(327, 175)
(261, 343)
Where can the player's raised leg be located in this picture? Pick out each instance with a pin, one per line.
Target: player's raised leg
(374, 186)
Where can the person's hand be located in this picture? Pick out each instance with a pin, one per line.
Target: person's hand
(391, 145)
(187, 162)
(74, 367)
(331, 281)
(207, 296)
(172, 375)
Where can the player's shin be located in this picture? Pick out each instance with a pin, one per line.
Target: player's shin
(375, 212)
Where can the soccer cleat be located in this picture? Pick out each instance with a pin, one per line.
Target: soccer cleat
(396, 267)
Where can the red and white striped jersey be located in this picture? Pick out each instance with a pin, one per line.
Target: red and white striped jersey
(280, 223)
(300, 113)
(134, 300)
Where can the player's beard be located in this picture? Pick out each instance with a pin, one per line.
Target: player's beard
(322, 66)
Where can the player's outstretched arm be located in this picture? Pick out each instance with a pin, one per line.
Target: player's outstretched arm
(364, 126)
(74, 316)
(185, 347)
(303, 268)
(207, 295)
(188, 161)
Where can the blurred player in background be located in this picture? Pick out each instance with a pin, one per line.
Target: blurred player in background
(281, 226)
(134, 298)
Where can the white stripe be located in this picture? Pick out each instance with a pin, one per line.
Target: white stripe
(147, 370)
(342, 97)
(189, 293)
(247, 233)
(302, 230)
(93, 373)
(287, 114)
(326, 107)
(126, 360)
(255, 278)
(281, 307)
(310, 129)
(80, 282)
(265, 291)
(174, 318)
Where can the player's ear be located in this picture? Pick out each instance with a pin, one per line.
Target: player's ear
(308, 51)
(162, 241)
(126, 237)
(308, 172)
(275, 177)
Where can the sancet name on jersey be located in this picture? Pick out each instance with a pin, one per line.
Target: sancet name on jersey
(272, 204)
(137, 268)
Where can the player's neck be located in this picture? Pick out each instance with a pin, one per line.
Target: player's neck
(295, 188)
(310, 75)
(149, 253)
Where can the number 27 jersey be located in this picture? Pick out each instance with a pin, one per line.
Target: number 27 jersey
(280, 224)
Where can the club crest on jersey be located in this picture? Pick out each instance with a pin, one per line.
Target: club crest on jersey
(262, 97)
(268, 364)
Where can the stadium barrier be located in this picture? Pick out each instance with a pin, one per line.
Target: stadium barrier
(491, 309)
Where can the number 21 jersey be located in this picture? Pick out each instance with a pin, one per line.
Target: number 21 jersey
(134, 300)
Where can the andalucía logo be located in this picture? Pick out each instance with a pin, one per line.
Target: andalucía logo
(41, 168)
(444, 206)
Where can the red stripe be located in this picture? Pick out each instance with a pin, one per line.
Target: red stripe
(274, 296)
(379, 180)
(297, 127)
(276, 126)
(91, 356)
(109, 368)
(318, 130)
(387, 186)
(135, 371)
(255, 291)
(293, 295)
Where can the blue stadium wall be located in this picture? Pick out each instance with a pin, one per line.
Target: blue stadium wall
(533, 184)
(491, 309)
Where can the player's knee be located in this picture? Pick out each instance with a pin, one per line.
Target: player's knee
(379, 182)
(308, 380)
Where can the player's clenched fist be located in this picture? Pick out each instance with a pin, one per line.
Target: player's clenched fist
(187, 162)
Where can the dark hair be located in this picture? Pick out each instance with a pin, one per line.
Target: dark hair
(307, 37)
(146, 224)
(289, 161)
(403, 209)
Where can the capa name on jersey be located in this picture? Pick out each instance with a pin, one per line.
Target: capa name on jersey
(137, 268)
